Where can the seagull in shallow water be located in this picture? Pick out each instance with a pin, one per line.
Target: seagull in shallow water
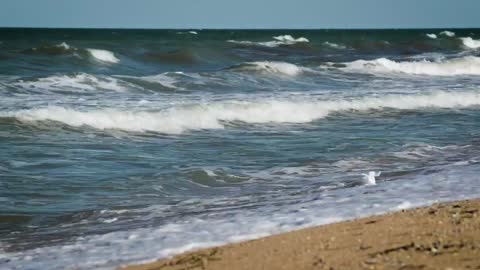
(370, 177)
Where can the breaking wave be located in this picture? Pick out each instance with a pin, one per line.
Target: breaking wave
(447, 33)
(78, 82)
(58, 49)
(432, 36)
(164, 80)
(468, 65)
(178, 119)
(65, 49)
(290, 39)
(103, 55)
(188, 32)
(271, 67)
(334, 45)
(470, 43)
(283, 40)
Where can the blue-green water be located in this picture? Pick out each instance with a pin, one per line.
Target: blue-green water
(121, 146)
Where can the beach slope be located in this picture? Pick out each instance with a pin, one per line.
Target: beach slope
(442, 236)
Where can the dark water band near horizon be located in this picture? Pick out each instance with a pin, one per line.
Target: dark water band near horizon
(124, 146)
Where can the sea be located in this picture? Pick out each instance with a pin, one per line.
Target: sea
(126, 146)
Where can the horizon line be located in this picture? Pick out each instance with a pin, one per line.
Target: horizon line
(260, 29)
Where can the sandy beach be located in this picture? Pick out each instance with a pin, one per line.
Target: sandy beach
(442, 236)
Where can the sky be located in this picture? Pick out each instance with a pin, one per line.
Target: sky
(240, 13)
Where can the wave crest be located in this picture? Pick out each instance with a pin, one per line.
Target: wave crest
(103, 55)
(470, 43)
(334, 45)
(66, 49)
(283, 40)
(179, 119)
(447, 33)
(271, 67)
(468, 65)
(290, 39)
(58, 49)
(163, 79)
(77, 83)
(188, 32)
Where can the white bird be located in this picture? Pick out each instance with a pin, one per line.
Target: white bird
(370, 177)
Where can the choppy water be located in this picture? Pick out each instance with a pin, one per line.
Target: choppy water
(121, 146)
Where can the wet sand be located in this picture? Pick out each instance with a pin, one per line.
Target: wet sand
(443, 236)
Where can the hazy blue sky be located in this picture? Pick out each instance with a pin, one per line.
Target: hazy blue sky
(241, 13)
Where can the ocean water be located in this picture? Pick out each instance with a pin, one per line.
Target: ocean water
(125, 146)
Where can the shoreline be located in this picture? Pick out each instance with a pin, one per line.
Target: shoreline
(440, 236)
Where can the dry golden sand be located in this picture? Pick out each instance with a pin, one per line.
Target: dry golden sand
(443, 236)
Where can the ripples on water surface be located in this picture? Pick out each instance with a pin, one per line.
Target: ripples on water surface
(121, 146)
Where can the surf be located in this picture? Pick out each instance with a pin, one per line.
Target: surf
(468, 65)
(204, 116)
(103, 56)
(270, 67)
(282, 40)
(80, 82)
(470, 43)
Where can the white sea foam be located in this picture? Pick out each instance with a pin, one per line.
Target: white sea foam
(432, 36)
(164, 79)
(63, 45)
(103, 55)
(97, 54)
(189, 32)
(176, 120)
(111, 220)
(251, 43)
(424, 151)
(290, 39)
(470, 42)
(278, 41)
(447, 33)
(273, 67)
(431, 56)
(78, 82)
(334, 45)
(404, 205)
(111, 250)
(468, 65)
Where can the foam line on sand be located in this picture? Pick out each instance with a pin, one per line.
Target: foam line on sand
(442, 236)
